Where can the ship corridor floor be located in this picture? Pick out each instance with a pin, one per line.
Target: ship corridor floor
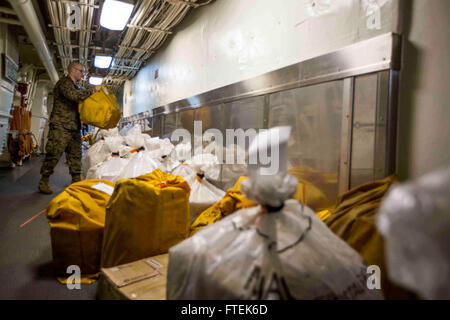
(26, 270)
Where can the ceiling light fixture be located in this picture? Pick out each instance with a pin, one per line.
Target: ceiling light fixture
(102, 62)
(115, 14)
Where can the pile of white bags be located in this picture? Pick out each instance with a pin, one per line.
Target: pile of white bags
(98, 152)
(277, 250)
(141, 161)
(229, 171)
(111, 168)
(267, 253)
(132, 154)
(414, 219)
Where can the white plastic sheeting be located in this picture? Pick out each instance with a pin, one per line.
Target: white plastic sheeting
(414, 219)
(94, 156)
(140, 163)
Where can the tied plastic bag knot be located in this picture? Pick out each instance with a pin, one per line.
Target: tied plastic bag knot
(137, 150)
(200, 177)
(115, 154)
(205, 163)
(270, 209)
(270, 191)
(141, 162)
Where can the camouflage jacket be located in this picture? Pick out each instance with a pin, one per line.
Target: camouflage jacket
(67, 95)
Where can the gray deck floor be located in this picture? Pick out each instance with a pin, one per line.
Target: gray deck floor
(26, 270)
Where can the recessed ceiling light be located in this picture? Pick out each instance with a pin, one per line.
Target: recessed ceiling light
(115, 14)
(102, 62)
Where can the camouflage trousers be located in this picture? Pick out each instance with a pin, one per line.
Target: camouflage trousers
(62, 140)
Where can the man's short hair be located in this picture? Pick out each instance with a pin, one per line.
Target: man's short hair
(73, 64)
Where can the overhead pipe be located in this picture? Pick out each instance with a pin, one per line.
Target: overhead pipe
(10, 21)
(7, 11)
(27, 16)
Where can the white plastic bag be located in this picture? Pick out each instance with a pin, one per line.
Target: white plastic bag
(182, 153)
(414, 219)
(124, 131)
(125, 151)
(203, 195)
(183, 170)
(286, 253)
(95, 155)
(168, 164)
(139, 164)
(206, 164)
(113, 165)
(111, 168)
(168, 159)
(90, 174)
(134, 130)
(113, 143)
(153, 143)
(135, 140)
(103, 133)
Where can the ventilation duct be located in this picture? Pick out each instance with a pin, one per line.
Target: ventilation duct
(27, 16)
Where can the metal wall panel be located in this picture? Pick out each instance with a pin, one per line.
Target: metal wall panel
(346, 134)
(363, 136)
(315, 116)
(342, 110)
(380, 153)
(6, 101)
(187, 120)
(170, 124)
(244, 114)
(211, 117)
(157, 126)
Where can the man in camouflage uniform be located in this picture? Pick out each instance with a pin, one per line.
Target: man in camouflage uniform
(64, 134)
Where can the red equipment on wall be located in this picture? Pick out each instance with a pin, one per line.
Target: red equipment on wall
(20, 142)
